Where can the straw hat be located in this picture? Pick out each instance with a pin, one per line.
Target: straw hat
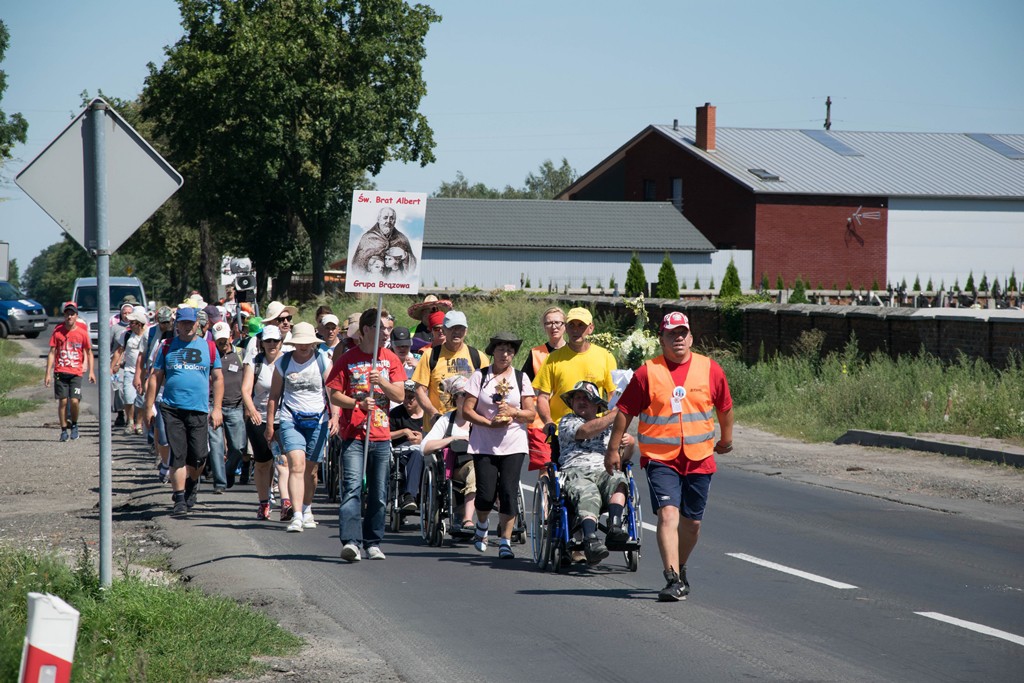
(430, 303)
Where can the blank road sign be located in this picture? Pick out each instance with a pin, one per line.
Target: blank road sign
(138, 179)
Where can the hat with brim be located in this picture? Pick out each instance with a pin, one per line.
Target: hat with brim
(504, 338)
(303, 333)
(588, 388)
(70, 306)
(276, 308)
(431, 303)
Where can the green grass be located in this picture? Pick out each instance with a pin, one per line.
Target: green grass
(135, 631)
(13, 375)
(815, 399)
(802, 396)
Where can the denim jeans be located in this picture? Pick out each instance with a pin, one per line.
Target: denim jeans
(234, 429)
(353, 526)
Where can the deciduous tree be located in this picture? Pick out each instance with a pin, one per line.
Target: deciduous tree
(13, 129)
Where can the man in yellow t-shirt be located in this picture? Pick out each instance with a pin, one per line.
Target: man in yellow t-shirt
(577, 361)
(453, 357)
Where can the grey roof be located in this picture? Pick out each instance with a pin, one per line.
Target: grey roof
(886, 164)
(551, 224)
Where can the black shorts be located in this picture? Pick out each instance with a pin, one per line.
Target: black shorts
(261, 451)
(66, 385)
(188, 436)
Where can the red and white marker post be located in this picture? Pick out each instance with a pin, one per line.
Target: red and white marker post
(49, 640)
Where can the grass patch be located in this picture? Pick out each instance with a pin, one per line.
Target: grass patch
(135, 631)
(818, 399)
(13, 375)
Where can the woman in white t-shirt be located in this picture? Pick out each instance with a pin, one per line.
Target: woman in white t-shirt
(500, 406)
(256, 383)
(299, 399)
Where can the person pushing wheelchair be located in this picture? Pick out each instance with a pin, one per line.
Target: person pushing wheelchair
(583, 442)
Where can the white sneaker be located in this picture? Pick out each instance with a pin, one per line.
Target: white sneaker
(375, 553)
(296, 523)
(307, 521)
(480, 544)
(350, 552)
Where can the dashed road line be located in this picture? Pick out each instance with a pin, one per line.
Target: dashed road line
(971, 626)
(789, 570)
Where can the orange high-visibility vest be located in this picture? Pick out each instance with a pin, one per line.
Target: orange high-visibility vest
(662, 432)
(538, 354)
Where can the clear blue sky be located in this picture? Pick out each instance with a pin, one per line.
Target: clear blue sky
(514, 83)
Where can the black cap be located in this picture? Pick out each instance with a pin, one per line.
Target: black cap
(400, 334)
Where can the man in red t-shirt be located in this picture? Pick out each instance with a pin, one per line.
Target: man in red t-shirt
(673, 395)
(70, 353)
(361, 388)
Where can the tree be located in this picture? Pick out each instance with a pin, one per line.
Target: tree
(668, 284)
(917, 284)
(764, 280)
(1012, 284)
(13, 274)
(51, 275)
(636, 279)
(15, 128)
(983, 286)
(731, 282)
(799, 295)
(545, 184)
(275, 110)
(780, 284)
(969, 287)
(930, 288)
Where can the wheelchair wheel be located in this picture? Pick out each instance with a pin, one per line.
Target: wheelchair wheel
(332, 476)
(632, 559)
(556, 545)
(519, 529)
(429, 520)
(394, 518)
(539, 525)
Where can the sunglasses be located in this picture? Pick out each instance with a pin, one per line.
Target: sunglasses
(285, 319)
(271, 341)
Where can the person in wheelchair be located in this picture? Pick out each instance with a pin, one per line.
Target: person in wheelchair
(406, 438)
(441, 436)
(583, 442)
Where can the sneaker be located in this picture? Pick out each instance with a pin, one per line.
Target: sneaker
(350, 553)
(64, 436)
(480, 543)
(74, 432)
(287, 511)
(191, 492)
(307, 520)
(375, 553)
(163, 473)
(676, 587)
(243, 477)
(180, 508)
(263, 511)
(594, 550)
(505, 552)
(218, 490)
(296, 524)
(408, 503)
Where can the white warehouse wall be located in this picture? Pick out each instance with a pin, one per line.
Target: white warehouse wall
(946, 239)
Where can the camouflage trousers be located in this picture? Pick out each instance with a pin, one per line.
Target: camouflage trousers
(587, 490)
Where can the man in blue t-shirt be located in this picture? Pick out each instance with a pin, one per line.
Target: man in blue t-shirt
(188, 367)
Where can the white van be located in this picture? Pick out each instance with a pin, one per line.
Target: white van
(86, 297)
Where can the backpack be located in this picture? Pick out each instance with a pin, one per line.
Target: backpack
(435, 355)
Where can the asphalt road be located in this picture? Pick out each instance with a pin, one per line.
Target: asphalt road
(790, 581)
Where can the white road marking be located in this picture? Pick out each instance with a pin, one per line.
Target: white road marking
(646, 525)
(790, 570)
(971, 626)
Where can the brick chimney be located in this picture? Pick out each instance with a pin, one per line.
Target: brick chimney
(706, 127)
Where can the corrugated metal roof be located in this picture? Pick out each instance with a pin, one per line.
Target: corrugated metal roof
(550, 224)
(888, 164)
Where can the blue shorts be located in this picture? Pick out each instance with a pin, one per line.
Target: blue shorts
(312, 441)
(689, 493)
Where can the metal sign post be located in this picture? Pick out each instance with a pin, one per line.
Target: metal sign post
(100, 205)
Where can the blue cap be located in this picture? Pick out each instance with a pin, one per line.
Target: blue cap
(186, 314)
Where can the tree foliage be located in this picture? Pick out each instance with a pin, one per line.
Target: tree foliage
(545, 184)
(274, 112)
(13, 129)
(51, 275)
(636, 279)
(731, 285)
(668, 284)
(799, 294)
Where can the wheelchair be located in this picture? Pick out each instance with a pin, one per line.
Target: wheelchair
(396, 484)
(331, 468)
(556, 532)
(440, 503)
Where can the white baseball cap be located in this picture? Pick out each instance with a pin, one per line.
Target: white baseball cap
(221, 330)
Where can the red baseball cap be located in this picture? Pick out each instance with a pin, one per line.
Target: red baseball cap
(673, 320)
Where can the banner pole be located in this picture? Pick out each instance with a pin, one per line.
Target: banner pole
(373, 405)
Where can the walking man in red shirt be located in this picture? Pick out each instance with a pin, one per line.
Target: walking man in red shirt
(673, 395)
(70, 353)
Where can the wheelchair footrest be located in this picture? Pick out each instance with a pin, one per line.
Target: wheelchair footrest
(622, 547)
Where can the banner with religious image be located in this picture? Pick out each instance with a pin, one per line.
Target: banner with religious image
(385, 242)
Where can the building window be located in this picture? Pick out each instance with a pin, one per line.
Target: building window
(677, 193)
(650, 191)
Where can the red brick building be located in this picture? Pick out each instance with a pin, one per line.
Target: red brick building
(816, 204)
